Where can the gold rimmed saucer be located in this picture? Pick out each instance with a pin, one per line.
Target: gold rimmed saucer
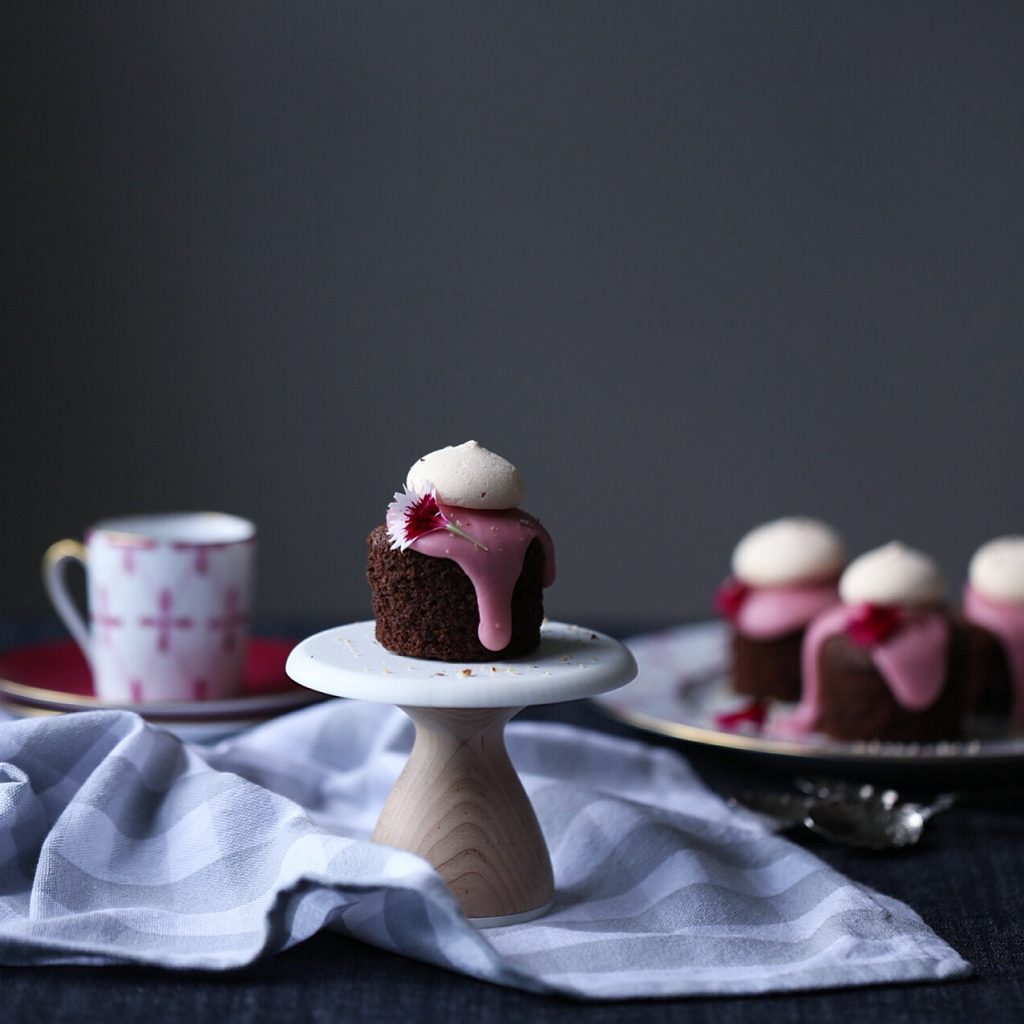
(54, 678)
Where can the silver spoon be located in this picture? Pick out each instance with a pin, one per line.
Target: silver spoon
(783, 808)
(847, 813)
(873, 824)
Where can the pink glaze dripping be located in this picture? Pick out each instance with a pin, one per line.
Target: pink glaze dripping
(768, 612)
(506, 534)
(912, 661)
(805, 717)
(1006, 621)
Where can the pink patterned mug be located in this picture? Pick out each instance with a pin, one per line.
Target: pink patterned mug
(168, 604)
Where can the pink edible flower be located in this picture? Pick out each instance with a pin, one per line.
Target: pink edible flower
(870, 624)
(412, 515)
(729, 598)
(753, 714)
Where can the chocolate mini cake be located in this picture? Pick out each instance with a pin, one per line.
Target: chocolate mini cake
(889, 663)
(767, 669)
(458, 571)
(994, 604)
(784, 574)
(857, 702)
(426, 607)
(989, 677)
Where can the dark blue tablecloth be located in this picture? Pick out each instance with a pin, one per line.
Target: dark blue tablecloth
(966, 880)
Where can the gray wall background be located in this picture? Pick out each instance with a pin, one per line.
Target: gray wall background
(689, 265)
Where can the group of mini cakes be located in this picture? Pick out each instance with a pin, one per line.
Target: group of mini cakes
(868, 650)
(871, 650)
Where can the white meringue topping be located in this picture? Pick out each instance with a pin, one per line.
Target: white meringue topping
(468, 476)
(997, 569)
(893, 575)
(795, 549)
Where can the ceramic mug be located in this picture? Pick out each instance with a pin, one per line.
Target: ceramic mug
(168, 603)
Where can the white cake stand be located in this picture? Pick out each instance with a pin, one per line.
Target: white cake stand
(458, 802)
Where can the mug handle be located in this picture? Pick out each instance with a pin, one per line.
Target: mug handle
(56, 558)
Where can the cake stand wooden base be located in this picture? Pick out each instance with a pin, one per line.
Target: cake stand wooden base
(458, 802)
(460, 805)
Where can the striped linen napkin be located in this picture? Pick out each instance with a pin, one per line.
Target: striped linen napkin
(120, 844)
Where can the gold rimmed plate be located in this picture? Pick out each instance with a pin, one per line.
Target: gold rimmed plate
(683, 689)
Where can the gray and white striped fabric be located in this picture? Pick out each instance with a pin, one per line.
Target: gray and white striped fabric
(119, 844)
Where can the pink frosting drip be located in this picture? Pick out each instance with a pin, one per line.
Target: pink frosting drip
(768, 612)
(506, 534)
(912, 661)
(1007, 622)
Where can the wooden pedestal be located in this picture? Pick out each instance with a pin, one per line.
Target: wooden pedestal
(460, 805)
